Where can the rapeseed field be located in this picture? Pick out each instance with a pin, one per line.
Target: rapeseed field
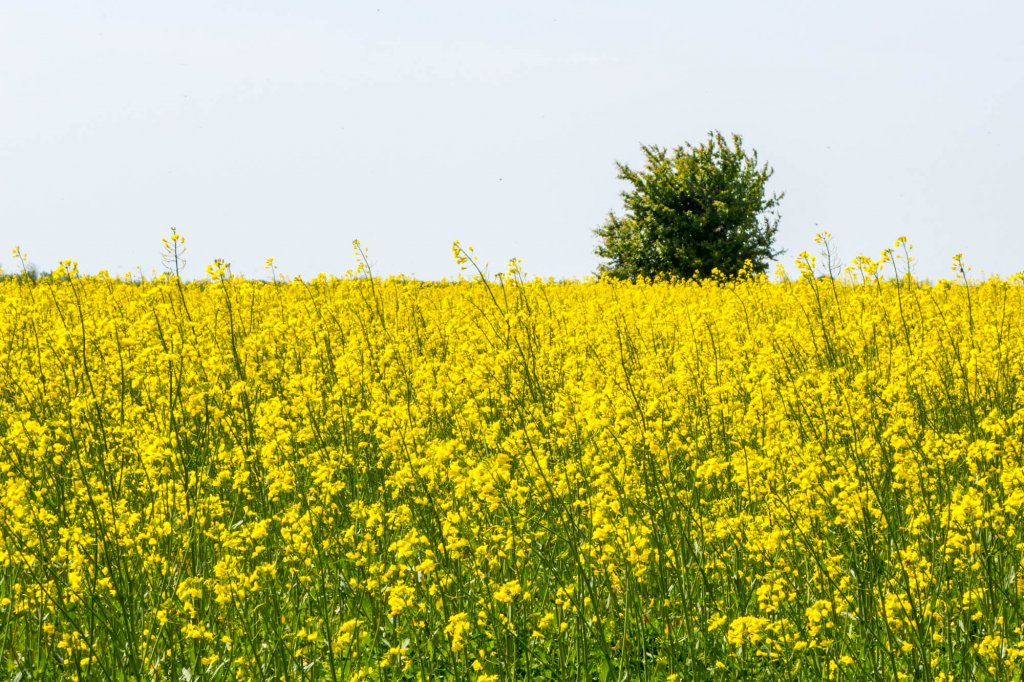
(498, 478)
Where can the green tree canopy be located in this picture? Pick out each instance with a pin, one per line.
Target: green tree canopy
(690, 211)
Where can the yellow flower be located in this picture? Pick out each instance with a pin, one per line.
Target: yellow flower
(456, 629)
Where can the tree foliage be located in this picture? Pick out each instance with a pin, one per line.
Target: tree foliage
(691, 211)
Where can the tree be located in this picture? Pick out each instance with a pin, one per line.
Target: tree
(691, 211)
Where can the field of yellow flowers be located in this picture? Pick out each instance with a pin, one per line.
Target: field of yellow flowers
(357, 478)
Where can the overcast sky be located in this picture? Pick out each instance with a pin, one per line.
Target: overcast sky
(288, 129)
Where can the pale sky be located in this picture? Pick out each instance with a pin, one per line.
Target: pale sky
(288, 129)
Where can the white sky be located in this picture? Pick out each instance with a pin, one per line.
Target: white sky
(288, 129)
